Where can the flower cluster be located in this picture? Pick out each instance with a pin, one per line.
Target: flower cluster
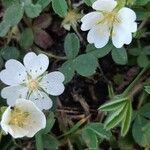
(27, 93)
(107, 21)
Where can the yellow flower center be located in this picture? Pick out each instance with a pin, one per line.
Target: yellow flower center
(33, 85)
(110, 18)
(18, 117)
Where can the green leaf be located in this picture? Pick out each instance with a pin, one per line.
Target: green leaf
(135, 51)
(32, 10)
(141, 2)
(89, 2)
(116, 117)
(71, 45)
(119, 56)
(99, 52)
(50, 120)
(26, 39)
(127, 119)
(146, 50)
(8, 3)
(143, 60)
(68, 70)
(10, 18)
(113, 105)
(99, 130)
(60, 7)
(4, 28)
(1, 63)
(145, 110)
(86, 64)
(92, 132)
(147, 89)
(44, 3)
(138, 132)
(10, 53)
(90, 139)
(50, 142)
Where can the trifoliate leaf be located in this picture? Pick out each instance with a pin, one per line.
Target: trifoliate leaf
(145, 110)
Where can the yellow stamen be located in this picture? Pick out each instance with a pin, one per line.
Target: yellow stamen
(18, 117)
(33, 85)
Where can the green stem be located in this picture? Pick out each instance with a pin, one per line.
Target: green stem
(129, 88)
(39, 142)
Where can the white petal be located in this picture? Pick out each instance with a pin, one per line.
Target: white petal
(90, 20)
(104, 5)
(52, 83)
(5, 120)
(121, 36)
(14, 74)
(36, 64)
(41, 100)
(127, 18)
(37, 120)
(99, 35)
(11, 93)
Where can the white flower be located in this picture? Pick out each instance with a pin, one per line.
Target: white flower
(23, 119)
(30, 81)
(106, 21)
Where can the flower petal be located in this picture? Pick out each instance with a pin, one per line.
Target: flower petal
(127, 18)
(14, 74)
(36, 64)
(11, 93)
(104, 5)
(90, 20)
(52, 83)
(99, 35)
(41, 100)
(121, 36)
(36, 121)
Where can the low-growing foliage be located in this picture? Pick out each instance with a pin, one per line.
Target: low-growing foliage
(96, 95)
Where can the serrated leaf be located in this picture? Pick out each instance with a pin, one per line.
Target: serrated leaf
(68, 70)
(26, 39)
(90, 139)
(10, 18)
(138, 132)
(4, 28)
(71, 45)
(43, 3)
(86, 64)
(143, 60)
(112, 105)
(127, 119)
(60, 7)
(10, 53)
(32, 10)
(145, 110)
(119, 55)
(50, 142)
(99, 52)
(147, 89)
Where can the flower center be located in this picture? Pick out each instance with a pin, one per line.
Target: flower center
(18, 117)
(110, 18)
(33, 84)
